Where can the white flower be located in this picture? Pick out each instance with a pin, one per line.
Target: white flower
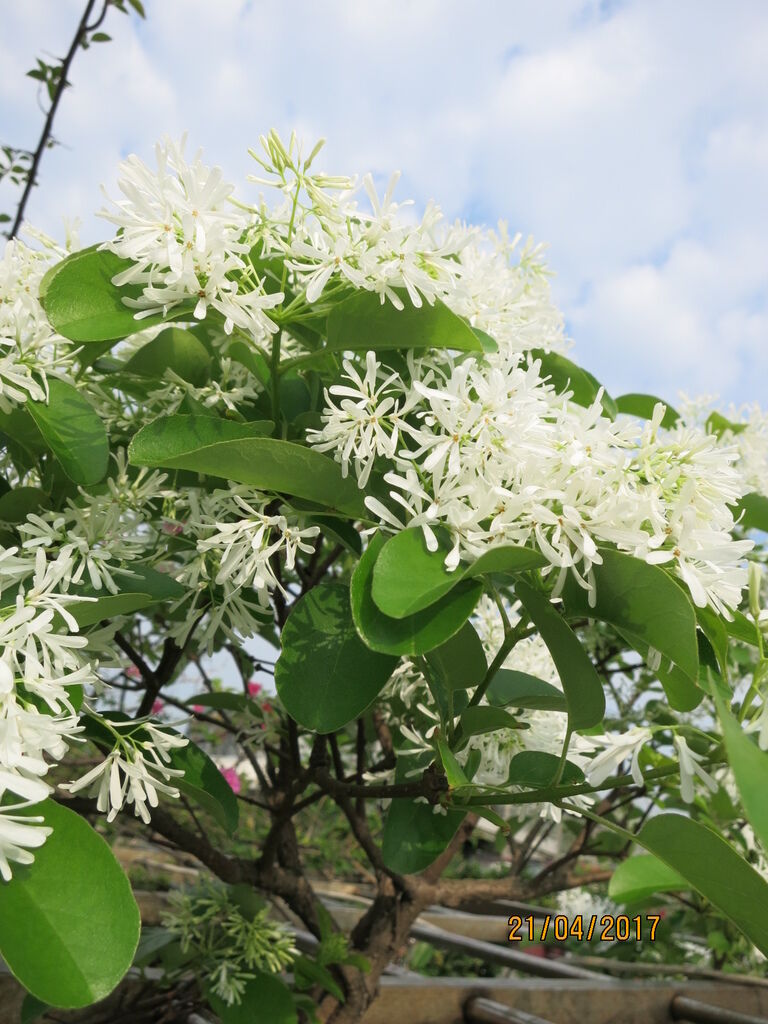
(580, 903)
(366, 423)
(617, 748)
(29, 348)
(134, 771)
(19, 834)
(184, 236)
(246, 541)
(690, 768)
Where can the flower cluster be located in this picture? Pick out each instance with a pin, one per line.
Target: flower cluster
(489, 451)
(235, 942)
(48, 662)
(183, 237)
(29, 348)
(235, 545)
(136, 768)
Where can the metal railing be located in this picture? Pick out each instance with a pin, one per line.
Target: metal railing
(694, 1012)
(479, 1010)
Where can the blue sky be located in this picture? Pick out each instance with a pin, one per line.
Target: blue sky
(632, 136)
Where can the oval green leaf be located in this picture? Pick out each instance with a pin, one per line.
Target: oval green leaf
(510, 688)
(82, 304)
(74, 432)
(203, 782)
(480, 718)
(408, 577)
(413, 634)
(460, 662)
(69, 925)
(749, 765)
(753, 510)
(415, 835)
(173, 349)
(581, 683)
(143, 587)
(325, 675)
(265, 998)
(641, 877)
(565, 375)
(709, 864)
(537, 768)
(642, 406)
(234, 451)
(16, 505)
(365, 322)
(642, 601)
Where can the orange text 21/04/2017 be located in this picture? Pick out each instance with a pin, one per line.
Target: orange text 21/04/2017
(608, 928)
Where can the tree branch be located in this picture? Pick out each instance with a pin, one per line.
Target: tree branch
(47, 132)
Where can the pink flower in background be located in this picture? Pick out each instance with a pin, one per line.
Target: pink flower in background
(172, 527)
(266, 707)
(132, 672)
(158, 706)
(232, 778)
(197, 708)
(254, 688)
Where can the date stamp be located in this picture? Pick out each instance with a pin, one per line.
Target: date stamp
(560, 928)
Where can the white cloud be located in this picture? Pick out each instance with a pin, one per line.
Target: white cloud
(633, 136)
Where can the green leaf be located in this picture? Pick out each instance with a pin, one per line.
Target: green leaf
(205, 785)
(325, 675)
(749, 765)
(642, 406)
(520, 690)
(453, 770)
(413, 634)
(564, 375)
(265, 998)
(222, 448)
(364, 322)
(143, 587)
(408, 577)
(251, 360)
(644, 602)
(74, 432)
(714, 628)
(479, 719)
(641, 877)
(69, 924)
(17, 504)
(488, 343)
(459, 662)
(21, 436)
(224, 700)
(682, 694)
(309, 972)
(173, 349)
(718, 424)
(709, 864)
(339, 531)
(152, 940)
(415, 835)
(537, 768)
(581, 683)
(753, 509)
(82, 304)
(742, 628)
(32, 1009)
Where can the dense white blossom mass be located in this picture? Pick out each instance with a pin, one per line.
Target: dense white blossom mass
(479, 449)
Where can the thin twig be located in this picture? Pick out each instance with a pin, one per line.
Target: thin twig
(47, 132)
